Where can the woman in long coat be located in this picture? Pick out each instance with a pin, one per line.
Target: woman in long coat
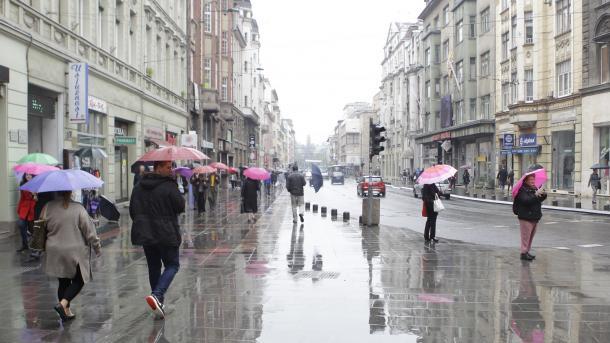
(71, 237)
(428, 195)
(249, 198)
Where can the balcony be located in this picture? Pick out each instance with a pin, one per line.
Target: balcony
(250, 114)
(209, 100)
(265, 128)
(226, 111)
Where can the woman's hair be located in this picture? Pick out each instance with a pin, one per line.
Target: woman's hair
(66, 197)
(23, 180)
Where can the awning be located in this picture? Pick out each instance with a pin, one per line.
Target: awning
(159, 142)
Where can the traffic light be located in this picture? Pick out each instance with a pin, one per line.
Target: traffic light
(376, 139)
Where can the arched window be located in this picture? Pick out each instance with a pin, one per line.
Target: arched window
(602, 38)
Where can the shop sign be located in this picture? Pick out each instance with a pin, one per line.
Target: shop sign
(119, 131)
(41, 105)
(124, 140)
(189, 140)
(153, 132)
(442, 136)
(506, 152)
(78, 83)
(97, 105)
(528, 140)
(252, 141)
(207, 145)
(508, 140)
(525, 150)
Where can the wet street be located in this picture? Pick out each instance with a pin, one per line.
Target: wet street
(333, 281)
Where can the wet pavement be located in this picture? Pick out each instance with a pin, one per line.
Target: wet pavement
(323, 281)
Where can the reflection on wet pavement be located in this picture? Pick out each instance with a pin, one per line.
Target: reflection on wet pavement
(323, 281)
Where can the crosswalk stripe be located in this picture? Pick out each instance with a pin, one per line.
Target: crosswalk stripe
(590, 245)
(562, 248)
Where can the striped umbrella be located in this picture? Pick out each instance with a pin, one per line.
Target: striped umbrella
(437, 173)
(204, 170)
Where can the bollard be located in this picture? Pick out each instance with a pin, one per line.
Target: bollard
(578, 205)
(482, 196)
(606, 207)
(555, 203)
(323, 211)
(333, 213)
(315, 208)
(505, 198)
(307, 206)
(493, 197)
(475, 195)
(345, 216)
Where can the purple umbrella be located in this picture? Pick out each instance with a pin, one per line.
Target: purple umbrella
(184, 171)
(62, 180)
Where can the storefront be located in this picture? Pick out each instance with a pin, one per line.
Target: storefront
(122, 141)
(603, 152)
(42, 132)
(91, 155)
(563, 160)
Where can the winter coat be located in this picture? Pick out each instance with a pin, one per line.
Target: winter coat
(70, 238)
(26, 207)
(154, 207)
(429, 193)
(595, 181)
(249, 195)
(295, 184)
(502, 175)
(466, 178)
(528, 206)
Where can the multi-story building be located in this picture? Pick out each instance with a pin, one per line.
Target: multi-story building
(538, 106)
(136, 56)
(457, 42)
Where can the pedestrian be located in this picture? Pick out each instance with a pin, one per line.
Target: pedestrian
(502, 177)
(267, 184)
(527, 205)
(294, 185)
(71, 236)
(233, 180)
(510, 180)
(25, 212)
(466, 178)
(595, 182)
(200, 187)
(249, 197)
(138, 176)
(428, 195)
(212, 190)
(154, 208)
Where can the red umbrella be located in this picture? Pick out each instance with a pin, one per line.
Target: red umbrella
(233, 170)
(173, 153)
(219, 165)
(204, 170)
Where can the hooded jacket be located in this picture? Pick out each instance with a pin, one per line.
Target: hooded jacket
(154, 207)
(527, 205)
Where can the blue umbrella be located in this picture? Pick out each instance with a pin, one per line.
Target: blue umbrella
(316, 178)
(62, 180)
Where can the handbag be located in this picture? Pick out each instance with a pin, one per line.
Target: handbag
(438, 204)
(424, 212)
(39, 232)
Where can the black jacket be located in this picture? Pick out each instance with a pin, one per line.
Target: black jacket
(527, 205)
(154, 207)
(429, 192)
(295, 184)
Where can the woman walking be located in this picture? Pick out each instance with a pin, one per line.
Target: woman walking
(200, 187)
(428, 194)
(26, 212)
(249, 198)
(70, 237)
(527, 205)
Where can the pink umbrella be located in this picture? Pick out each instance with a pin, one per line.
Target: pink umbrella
(257, 173)
(219, 165)
(539, 176)
(33, 168)
(233, 170)
(204, 170)
(437, 173)
(173, 153)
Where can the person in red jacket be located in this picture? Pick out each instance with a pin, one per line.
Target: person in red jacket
(25, 211)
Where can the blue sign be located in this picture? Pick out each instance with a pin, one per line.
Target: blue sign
(528, 140)
(526, 151)
(508, 141)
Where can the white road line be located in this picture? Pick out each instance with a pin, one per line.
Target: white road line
(500, 226)
(590, 245)
(562, 248)
(550, 223)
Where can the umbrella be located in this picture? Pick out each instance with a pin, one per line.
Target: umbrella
(540, 176)
(135, 168)
(184, 171)
(255, 173)
(534, 166)
(204, 170)
(316, 178)
(108, 209)
(437, 173)
(466, 166)
(233, 170)
(39, 158)
(96, 153)
(600, 166)
(33, 168)
(62, 180)
(173, 153)
(219, 165)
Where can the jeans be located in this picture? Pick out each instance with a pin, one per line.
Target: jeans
(595, 189)
(170, 257)
(430, 230)
(69, 288)
(23, 230)
(200, 196)
(297, 201)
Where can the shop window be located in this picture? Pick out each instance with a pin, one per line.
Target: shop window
(604, 63)
(563, 159)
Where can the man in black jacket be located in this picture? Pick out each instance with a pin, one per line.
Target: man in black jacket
(155, 205)
(294, 184)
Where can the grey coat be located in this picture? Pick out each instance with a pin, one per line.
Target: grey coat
(70, 239)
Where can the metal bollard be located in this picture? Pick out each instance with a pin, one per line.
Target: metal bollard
(474, 195)
(578, 205)
(323, 211)
(555, 203)
(307, 206)
(505, 198)
(333, 213)
(482, 196)
(493, 197)
(345, 216)
(606, 207)
(315, 208)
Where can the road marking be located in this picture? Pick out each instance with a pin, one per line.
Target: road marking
(467, 228)
(590, 245)
(500, 226)
(550, 223)
(562, 248)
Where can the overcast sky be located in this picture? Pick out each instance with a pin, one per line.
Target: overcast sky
(322, 54)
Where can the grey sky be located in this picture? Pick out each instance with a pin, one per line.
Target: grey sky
(322, 54)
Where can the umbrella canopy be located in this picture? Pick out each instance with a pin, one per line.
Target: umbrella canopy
(204, 170)
(39, 158)
(232, 170)
(534, 166)
(255, 173)
(173, 153)
(62, 180)
(316, 178)
(600, 166)
(135, 168)
(33, 168)
(96, 153)
(540, 179)
(466, 166)
(219, 165)
(437, 173)
(108, 209)
(184, 171)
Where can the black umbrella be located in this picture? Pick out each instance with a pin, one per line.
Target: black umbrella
(534, 166)
(600, 166)
(108, 210)
(316, 178)
(135, 168)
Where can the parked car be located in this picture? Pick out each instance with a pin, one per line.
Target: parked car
(337, 177)
(308, 174)
(443, 186)
(377, 186)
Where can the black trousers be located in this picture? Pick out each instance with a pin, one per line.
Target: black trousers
(430, 231)
(69, 288)
(201, 201)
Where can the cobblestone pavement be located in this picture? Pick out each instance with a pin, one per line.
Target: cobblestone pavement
(323, 281)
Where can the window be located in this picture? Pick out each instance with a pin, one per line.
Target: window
(446, 15)
(473, 109)
(505, 96)
(427, 57)
(223, 93)
(246, 104)
(437, 54)
(505, 46)
(604, 64)
(459, 71)
(563, 72)
(473, 68)
(513, 88)
(207, 73)
(485, 64)
(459, 32)
(513, 31)
(562, 17)
(437, 87)
(207, 17)
(504, 4)
(485, 107)
(436, 23)
(225, 43)
(529, 85)
(459, 111)
(472, 24)
(529, 28)
(446, 84)
(485, 27)
(427, 89)
(445, 49)
(245, 66)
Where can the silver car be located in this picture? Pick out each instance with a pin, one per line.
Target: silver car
(443, 186)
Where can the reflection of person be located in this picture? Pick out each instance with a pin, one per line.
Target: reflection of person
(68, 259)
(249, 197)
(595, 182)
(296, 258)
(25, 211)
(526, 319)
(429, 264)
(527, 205)
(428, 195)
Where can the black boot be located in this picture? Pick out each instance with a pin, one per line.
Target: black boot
(526, 257)
(23, 248)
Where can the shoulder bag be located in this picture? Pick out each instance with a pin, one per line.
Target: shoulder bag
(438, 204)
(39, 232)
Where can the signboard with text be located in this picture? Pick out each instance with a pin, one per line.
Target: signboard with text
(508, 140)
(78, 83)
(528, 140)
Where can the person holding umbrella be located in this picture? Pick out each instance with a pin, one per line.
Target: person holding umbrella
(595, 182)
(527, 205)
(25, 211)
(200, 186)
(430, 195)
(249, 198)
